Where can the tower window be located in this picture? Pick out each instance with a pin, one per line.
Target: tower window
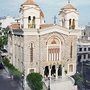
(33, 22)
(29, 22)
(73, 24)
(29, 19)
(69, 23)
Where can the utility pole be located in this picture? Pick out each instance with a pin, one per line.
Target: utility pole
(23, 77)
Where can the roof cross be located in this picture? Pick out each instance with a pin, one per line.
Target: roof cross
(68, 1)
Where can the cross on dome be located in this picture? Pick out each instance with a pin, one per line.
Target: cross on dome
(68, 1)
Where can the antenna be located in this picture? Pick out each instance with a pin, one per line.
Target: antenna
(55, 19)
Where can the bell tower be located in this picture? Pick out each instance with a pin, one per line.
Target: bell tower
(31, 15)
(68, 16)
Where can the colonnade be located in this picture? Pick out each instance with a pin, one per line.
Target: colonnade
(54, 71)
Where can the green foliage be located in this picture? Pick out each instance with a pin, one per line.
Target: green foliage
(35, 81)
(1, 42)
(78, 78)
(4, 38)
(13, 71)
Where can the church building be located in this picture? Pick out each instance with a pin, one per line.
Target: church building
(35, 46)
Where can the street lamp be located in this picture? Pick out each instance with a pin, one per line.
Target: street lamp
(48, 83)
(49, 78)
(22, 80)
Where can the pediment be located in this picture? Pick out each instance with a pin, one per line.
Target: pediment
(59, 29)
(54, 28)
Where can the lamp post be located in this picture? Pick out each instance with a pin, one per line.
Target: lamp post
(49, 78)
(48, 83)
(22, 81)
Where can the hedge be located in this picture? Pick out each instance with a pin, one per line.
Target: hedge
(35, 81)
(13, 71)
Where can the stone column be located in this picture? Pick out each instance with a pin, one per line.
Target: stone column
(63, 72)
(50, 72)
(56, 72)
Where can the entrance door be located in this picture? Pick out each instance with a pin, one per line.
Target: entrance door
(53, 70)
(46, 72)
(60, 70)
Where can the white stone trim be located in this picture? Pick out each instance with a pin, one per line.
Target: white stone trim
(48, 30)
(30, 69)
(71, 73)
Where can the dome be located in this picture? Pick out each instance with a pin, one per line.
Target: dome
(30, 2)
(68, 6)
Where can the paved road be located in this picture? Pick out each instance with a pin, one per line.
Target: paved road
(6, 83)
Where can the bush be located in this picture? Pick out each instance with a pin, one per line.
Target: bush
(35, 81)
(78, 78)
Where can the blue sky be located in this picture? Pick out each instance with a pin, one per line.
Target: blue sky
(49, 7)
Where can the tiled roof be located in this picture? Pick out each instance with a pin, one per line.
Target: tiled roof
(15, 26)
(43, 26)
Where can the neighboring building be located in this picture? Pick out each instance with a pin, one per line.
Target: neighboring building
(84, 45)
(35, 46)
(6, 21)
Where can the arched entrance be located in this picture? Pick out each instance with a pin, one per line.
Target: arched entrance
(60, 70)
(46, 71)
(53, 70)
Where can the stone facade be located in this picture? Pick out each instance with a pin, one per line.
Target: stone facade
(44, 48)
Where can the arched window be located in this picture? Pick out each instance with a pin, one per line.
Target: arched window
(70, 22)
(70, 68)
(73, 24)
(29, 19)
(33, 22)
(31, 52)
(53, 46)
(71, 50)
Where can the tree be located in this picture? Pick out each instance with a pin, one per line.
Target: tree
(1, 42)
(4, 38)
(35, 81)
(78, 79)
